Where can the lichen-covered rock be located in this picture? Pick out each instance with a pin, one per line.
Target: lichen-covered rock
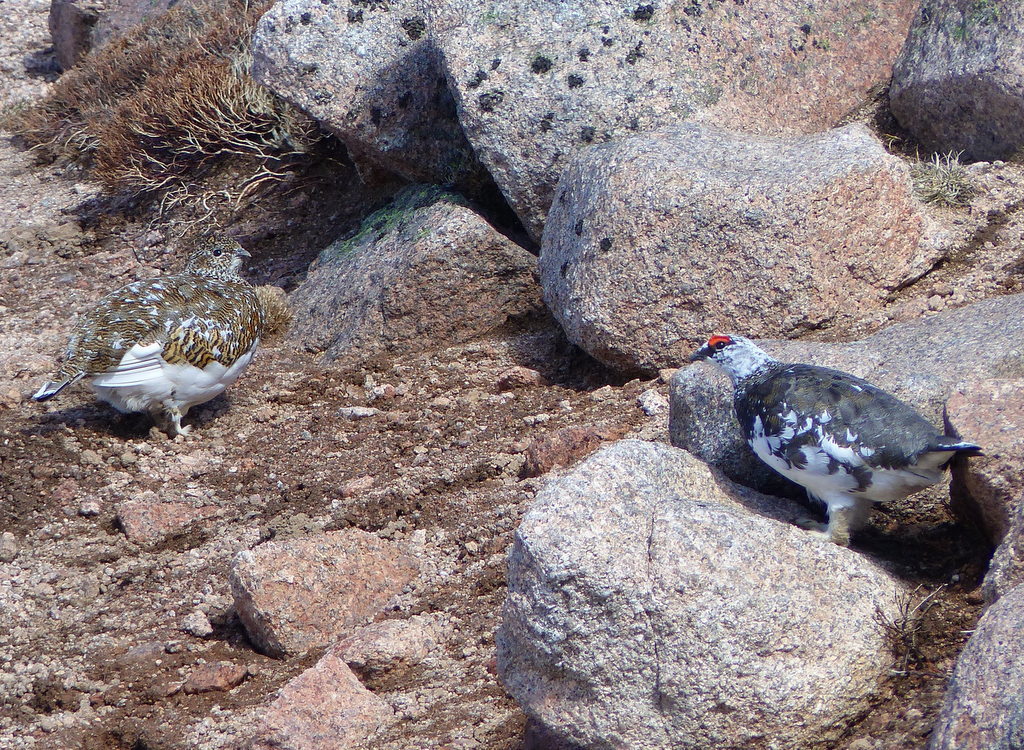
(958, 84)
(920, 362)
(662, 238)
(537, 81)
(426, 271)
(371, 73)
(984, 704)
(654, 604)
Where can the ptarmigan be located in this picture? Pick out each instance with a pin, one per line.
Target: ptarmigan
(846, 441)
(166, 344)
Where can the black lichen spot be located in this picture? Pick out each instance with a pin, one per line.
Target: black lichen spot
(635, 54)
(476, 80)
(587, 134)
(633, 124)
(541, 64)
(693, 9)
(322, 97)
(405, 99)
(563, 196)
(289, 24)
(578, 228)
(575, 81)
(583, 54)
(606, 244)
(306, 19)
(694, 48)
(376, 115)
(414, 27)
(308, 68)
(491, 99)
(355, 16)
(643, 13)
(495, 63)
(564, 270)
(605, 29)
(546, 122)
(806, 28)
(273, 27)
(607, 41)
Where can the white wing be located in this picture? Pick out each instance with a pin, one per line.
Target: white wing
(141, 364)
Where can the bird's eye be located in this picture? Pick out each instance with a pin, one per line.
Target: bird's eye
(718, 343)
(217, 253)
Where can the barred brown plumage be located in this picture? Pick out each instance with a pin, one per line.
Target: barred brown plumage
(164, 345)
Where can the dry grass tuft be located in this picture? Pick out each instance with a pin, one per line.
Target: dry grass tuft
(904, 630)
(156, 110)
(942, 180)
(276, 313)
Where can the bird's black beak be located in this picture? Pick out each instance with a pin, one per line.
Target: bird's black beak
(703, 353)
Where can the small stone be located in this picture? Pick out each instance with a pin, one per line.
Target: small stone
(89, 508)
(943, 289)
(91, 457)
(8, 547)
(653, 402)
(381, 646)
(221, 676)
(562, 448)
(357, 412)
(197, 624)
(602, 394)
(356, 485)
(935, 302)
(519, 377)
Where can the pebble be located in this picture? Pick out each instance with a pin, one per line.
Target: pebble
(652, 402)
(89, 508)
(8, 547)
(357, 412)
(197, 624)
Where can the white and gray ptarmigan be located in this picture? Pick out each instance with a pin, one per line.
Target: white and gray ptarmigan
(164, 345)
(847, 442)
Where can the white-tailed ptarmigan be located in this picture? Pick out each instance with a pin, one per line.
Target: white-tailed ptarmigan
(847, 442)
(164, 345)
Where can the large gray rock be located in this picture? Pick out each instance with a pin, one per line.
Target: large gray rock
(371, 73)
(920, 362)
(537, 81)
(958, 84)
(984, 704)
(426, 271)
(657, 239)
(654, 604)
(990, 489)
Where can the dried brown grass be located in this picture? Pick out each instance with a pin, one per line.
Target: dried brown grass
(154, 111)
(276, 313)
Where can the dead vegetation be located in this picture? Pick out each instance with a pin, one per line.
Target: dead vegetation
(155, 111)
(905, 629)
(942, 180)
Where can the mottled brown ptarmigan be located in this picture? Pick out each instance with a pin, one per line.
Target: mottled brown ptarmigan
(166, 344)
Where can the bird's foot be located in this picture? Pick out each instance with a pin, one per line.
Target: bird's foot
(825, 531)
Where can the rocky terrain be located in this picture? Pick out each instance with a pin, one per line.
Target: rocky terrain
(474, 496)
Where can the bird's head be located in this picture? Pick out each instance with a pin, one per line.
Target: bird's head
(738, 355)
(218, 258)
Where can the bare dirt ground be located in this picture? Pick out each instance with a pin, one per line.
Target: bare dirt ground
(91, 639)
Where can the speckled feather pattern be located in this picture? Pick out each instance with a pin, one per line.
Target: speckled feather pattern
(206, 313)
(827, 404)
